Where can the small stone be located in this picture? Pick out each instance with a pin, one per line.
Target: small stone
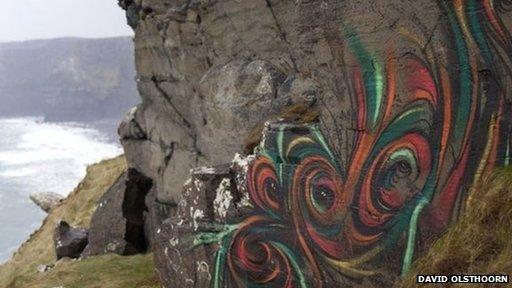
(43, 268)
(69, 241)
(46, 200)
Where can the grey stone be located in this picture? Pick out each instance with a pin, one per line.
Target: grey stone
(117, 225)
(236, 97)
(211, 195)
(69, 241)
(46, 200)
(41, 268)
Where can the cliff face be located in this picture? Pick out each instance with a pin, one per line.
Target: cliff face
(68, 79)
(382, 114)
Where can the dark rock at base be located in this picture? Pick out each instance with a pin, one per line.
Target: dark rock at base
(69, 241)
(117, 225)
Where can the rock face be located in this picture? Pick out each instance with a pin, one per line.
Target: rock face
(46, 200)
(117, 225)
(411, 103)
(210, 196)
(69, 241)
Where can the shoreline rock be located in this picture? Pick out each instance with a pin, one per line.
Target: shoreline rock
(46, 200)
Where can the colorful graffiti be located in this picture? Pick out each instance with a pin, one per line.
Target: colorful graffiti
(317, 219)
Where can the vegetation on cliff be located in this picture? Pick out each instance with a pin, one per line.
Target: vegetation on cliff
(77, 209)
(479, 243)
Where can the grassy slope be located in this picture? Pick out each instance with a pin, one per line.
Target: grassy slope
(77, 209)
(480, 242)
(107, 271)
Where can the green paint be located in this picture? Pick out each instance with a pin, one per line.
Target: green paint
(212, 237)
(293, 260)
(372, 76)
(507, 154)
(379, 87)
(280, 143)
(320, 138)
(463, 108)
(403, 153)
(220, 261)
(411, 237)
(478, 32)
(415, 119)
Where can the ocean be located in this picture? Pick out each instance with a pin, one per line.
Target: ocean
(36, 156)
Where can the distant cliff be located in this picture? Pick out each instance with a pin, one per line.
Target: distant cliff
(68, 79)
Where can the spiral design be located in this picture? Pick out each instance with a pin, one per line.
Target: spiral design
(396, 175)
(317, 215)
(257, 257)
(319, 204)
(263, 185)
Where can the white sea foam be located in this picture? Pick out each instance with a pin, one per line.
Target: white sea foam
(36, 157)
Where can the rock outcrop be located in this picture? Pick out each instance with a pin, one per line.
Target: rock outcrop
(69, 241)
(379, 115)
(117, 225)
(46, 200)
(210, 196)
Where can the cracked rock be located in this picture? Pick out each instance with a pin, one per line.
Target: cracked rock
(117, 225)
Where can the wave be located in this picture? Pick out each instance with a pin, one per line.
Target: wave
(30, 147)
(36, 156)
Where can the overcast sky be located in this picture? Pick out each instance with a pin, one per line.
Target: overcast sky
(41, 19)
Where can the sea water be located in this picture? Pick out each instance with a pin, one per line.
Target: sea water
(36, 156)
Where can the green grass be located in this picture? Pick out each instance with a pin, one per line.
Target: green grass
(107, 271)
(480, 242)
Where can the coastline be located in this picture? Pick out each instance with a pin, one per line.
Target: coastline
(40, 156)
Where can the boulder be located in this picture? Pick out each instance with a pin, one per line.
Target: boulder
(117, 225)
(69, 241)
(237, 97)
(46, 200)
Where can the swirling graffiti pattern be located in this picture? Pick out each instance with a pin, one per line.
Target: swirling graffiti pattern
(315, 217)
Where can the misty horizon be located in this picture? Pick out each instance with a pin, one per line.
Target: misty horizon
(66, 37)
(41, 20)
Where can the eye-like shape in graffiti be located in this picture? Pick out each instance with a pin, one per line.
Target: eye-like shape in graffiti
(264, 187)
(318, 201)
(395, 177)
